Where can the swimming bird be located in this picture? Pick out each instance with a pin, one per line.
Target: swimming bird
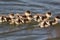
(26, 20)
(49, 22)
(46, 17)
(55, 21)
(11, 15)
(42, 17)
(43, 24)
(17, 15)
(19, 20)
(11, 18)
(2, 18)
(8, 19)
(37, 17)
(12, 21)
(27, 13)
(27, 17)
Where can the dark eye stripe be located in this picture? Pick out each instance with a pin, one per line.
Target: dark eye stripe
(28, 11)
(58, 17)
(49, 13)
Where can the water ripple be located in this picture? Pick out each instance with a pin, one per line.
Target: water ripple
(8, 32)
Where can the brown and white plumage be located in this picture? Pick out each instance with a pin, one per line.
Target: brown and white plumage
(42, 17)
(49, 22)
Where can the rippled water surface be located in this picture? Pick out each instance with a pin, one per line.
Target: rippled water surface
(27, 31)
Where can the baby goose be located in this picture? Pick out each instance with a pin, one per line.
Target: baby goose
(11, 18)
(37, 17)
(12, 21)
(26, 20)
(8, 19)
(11, 15)
(2, 18)
(49, 22)
(41, 17)
(18, 20)
(43, 24)
(46, 16)
(27, 13)
(27, 17)
(55, 21)
(17, 15)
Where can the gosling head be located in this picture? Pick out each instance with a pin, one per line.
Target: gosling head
(11, 15)
(17, 14)
(57, 18)
(48, 14)
(3, 18)
(27, 13)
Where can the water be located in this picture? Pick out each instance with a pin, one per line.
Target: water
(26, 31)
